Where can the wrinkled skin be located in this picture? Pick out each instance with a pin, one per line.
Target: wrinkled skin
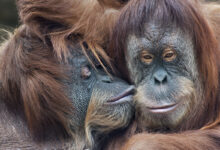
(163, 67)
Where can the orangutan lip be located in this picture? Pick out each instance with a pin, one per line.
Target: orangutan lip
(162, 109)
(125, 96)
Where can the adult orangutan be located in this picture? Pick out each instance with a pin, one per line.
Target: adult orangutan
(47, 80)
(56, 104)
(168, 49)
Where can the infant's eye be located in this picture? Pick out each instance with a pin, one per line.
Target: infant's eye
(85, 72)
(146, 57)
(169, 55)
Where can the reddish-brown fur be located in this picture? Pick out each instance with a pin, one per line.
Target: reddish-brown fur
(189, 140)
(30, 75)
(91, 20)
(30, 60)
(187, 15)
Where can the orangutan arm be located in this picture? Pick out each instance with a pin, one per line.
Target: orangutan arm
(191, 140)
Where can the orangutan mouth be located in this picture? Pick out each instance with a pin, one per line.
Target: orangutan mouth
(163, 109)
(125, 96)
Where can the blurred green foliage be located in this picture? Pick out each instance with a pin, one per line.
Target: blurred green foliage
(8, 14)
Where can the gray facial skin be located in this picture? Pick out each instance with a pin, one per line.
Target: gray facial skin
(166, 90)
(102, 103)
(86, 83)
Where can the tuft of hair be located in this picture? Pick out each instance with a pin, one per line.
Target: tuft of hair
(113, 3)
(186, 15)
(31, 88)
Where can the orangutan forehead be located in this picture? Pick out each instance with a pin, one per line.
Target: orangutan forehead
(156, 36)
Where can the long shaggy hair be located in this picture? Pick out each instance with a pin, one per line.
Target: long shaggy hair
(30, 84)
(211, 10)
(31, 67)
(92, 20)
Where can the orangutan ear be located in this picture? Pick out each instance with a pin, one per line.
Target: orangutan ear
(113, 3)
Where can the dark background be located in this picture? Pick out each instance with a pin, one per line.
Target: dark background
(8, 14)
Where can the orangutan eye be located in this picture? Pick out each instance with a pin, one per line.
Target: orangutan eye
(85, 72)
(169, 55)
(146, 57)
